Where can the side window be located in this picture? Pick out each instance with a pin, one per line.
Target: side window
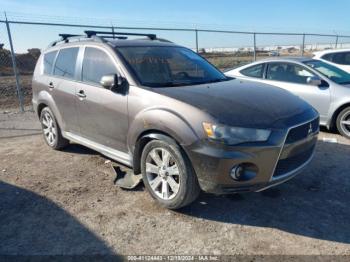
(65, 62)
(288, 72)
(328, 57)
(49, 59)
(254, 71)
(96, 64)
(342, 58)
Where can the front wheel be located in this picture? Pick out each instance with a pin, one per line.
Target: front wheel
(343, 122)
(168, 175)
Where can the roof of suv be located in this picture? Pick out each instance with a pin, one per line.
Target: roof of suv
(115, 39)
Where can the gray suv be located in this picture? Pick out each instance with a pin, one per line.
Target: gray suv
(166, 112)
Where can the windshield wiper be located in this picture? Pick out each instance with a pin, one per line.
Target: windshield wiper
(165, 84)
(218, 80)
(173, 84)
(215, 80)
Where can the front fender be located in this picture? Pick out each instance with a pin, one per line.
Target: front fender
(162, 120)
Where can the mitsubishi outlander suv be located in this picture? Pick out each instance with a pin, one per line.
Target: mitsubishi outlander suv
(167, 113)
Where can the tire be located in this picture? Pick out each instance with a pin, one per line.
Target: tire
(178, 169)
(343, 122)
(51, 130)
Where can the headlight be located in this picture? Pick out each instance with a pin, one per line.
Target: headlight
(235, 135)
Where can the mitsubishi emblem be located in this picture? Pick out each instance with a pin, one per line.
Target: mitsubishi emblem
(310, 129)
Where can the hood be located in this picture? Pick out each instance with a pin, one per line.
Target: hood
(244, 103)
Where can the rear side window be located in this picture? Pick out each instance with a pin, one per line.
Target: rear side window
(49, 59)
(328, 57)
(342, 58)
(254, 71)
(96, 64)
(65, 62)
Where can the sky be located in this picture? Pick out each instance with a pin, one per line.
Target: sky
(314, 16)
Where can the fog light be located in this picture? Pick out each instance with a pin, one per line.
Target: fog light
(237, 172)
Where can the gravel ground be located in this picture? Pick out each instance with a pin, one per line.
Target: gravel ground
(66, 202)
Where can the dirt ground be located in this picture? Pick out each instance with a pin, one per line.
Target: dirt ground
(66, 202)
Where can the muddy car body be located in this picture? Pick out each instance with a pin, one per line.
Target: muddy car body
(170, 115)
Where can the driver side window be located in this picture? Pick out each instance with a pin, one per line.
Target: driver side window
(96, 64)
(288, 72)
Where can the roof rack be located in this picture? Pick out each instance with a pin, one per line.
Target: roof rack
(100, 36)
(92, 33)
(65, 37)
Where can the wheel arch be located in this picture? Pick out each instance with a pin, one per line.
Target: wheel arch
(45, 100)
(144, 138)
(40, 108)
(336, 113)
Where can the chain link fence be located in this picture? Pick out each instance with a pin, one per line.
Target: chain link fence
(224, 48)
(8, 90)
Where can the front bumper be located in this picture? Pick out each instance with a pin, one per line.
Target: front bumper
(273, 162)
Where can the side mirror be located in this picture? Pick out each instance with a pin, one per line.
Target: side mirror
(314, 81)
(112, 81)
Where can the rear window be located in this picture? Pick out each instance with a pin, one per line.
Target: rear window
(49, 59)
(254, 71)
(65, 62)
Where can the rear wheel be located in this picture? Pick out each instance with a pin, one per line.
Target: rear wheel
(168, 175)
(51, 130)
(343, 122)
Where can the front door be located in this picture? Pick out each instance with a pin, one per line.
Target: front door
(102, 113)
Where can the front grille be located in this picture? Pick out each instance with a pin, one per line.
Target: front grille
(291, 163)
(300, 132)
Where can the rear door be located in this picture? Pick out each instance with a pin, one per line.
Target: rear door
(62, 84)
(103, 116)
(293, 77)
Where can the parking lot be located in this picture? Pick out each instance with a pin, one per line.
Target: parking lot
(66, 202)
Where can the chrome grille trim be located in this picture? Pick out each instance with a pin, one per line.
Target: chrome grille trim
(272, 178)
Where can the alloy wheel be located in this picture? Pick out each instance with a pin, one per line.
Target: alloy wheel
(162, 173)
(345, 123)
(49, 128)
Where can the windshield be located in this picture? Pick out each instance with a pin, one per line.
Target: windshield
(164, 66)
(333, 73)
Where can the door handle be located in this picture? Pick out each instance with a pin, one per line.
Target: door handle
(81, 94)
(51, 85)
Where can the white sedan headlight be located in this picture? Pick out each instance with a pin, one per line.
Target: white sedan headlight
(235, 135)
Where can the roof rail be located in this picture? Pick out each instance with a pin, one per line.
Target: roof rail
(92, 33)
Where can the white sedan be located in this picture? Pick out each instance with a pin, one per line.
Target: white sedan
(324, 86)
